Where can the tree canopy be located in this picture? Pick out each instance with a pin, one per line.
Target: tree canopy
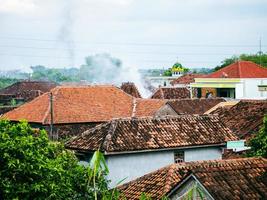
(258, 144)
(32, 167)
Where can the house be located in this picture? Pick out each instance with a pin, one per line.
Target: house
(21, 92)
(130, 89)
(28, 90)
(69, 110)
(188, 106)
(171, 93)
(243, 178)
(185, 80)
(240, 80)
(136, 146)
(244, 118)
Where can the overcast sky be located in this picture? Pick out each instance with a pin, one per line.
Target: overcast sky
(142, 33)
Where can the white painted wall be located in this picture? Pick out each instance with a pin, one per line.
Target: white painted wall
(210, 153)
(248, 89)
(131, 166)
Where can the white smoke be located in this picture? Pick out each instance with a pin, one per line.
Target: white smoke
(65, 34)
(104, 69)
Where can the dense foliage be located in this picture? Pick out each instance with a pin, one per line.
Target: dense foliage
(32, 167)
(258, 144)
(256, 58)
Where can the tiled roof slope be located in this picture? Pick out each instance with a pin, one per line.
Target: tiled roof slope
(240, 69)
(76, 105)
(171, 93)
(130, 89)
(193, 106)
(147, 107)
(245, 117)
(187, 79)
(224, 179)
(125, 135)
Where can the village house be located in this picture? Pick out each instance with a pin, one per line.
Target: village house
(69, 110)
(240, 80)
(136, 146)
(21, 92)
(243, 178)
(244, 117)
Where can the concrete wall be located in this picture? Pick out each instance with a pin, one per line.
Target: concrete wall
(131, 166)
(251, 89)
(198, 154)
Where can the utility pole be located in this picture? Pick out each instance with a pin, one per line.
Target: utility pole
(51, 115)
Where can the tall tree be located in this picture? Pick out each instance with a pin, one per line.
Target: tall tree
(258, 144)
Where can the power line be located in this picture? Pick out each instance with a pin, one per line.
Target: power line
(133, 43)
(131, 52)
(56, 57)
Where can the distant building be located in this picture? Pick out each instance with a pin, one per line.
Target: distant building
(133, 147)
(28, 90)
(243, 178)
(157, 81)
(240, 80)
(21, 92)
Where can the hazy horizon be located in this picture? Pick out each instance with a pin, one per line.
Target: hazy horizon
(142, 34)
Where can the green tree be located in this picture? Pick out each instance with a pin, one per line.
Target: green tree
(260, 59)
(32, 167)
(258, 144)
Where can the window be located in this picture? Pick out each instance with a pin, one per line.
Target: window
(178, 156)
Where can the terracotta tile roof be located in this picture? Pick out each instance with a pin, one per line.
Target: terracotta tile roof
(147, 107)
(130, 89)
(171, 93)
(244, 118)
(193, 106)
(187, 79)
(28, 89)
(79, 104)
(240, 69)
(76, 105)
(243, 178)
(123, 135)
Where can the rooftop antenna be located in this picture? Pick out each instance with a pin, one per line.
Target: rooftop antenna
(260, 52)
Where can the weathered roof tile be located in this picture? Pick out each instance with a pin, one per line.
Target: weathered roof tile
(243, 178)
(153, 133)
